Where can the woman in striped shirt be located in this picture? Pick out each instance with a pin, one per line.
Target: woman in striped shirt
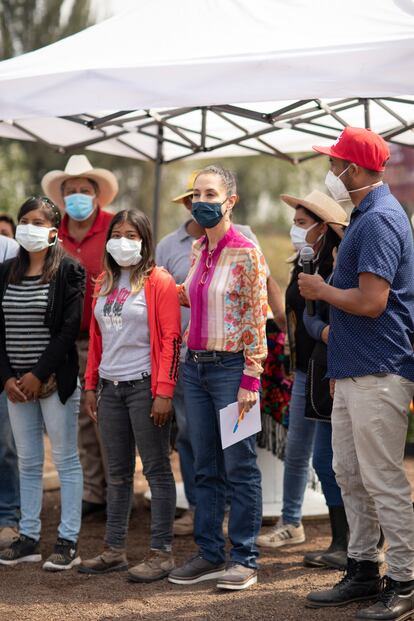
(226, 337)
(41, 300)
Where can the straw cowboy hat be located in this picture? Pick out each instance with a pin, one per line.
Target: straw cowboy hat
(322, 206)
(80, 166)
(189, 191)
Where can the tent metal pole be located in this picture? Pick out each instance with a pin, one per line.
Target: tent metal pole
(367, 114)
(157, 184)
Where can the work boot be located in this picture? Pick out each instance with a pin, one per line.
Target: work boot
(111, 559)
(361, 581)
(155, 565)
(336, 555)
(395, 602)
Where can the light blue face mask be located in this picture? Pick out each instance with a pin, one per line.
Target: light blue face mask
(79, 206)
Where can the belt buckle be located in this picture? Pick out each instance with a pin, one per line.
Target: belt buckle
(195, 357)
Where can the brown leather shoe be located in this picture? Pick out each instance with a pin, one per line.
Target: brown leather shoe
(155, 565)
(8, 534)
(111, 559)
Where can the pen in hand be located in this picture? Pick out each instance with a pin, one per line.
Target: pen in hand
(239, 420)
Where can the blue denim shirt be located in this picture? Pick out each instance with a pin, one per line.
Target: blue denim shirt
(378, 240)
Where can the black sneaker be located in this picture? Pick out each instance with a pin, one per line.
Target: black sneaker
(197, 569)
(23, 550)
(64, 556)
(396, 602)
(361, 581)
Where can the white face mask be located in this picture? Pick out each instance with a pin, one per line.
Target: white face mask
(125, 252)
(298, 236)
(337, 187)
(34, 238)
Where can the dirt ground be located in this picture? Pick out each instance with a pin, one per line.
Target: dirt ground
(28, 593)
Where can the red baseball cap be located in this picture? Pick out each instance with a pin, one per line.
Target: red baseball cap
(360, 146)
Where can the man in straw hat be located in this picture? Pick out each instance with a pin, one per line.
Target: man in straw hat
(83, 192)
(371, 359)
(174, 253)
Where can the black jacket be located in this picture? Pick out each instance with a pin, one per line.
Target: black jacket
(63, 318)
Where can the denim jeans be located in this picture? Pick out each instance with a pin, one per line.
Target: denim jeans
(183, 441)
(322, 463)
(209, 387)
(9, 477)
(61, 421)
(124, 419)
(299, 449)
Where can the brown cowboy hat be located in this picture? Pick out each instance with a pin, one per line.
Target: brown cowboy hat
(322, 206)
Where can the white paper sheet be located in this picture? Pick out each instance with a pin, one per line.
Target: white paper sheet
(250, 424)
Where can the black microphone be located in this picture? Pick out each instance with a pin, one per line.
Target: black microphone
(306, 256)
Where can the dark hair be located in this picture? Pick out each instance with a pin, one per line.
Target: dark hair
(331, 240)
(54, 254)
(139, 272)
(4, 217)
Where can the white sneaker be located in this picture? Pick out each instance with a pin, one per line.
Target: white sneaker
(282, 535)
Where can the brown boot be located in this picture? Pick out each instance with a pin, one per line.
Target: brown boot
(155, 565)
(111, 559)
(8, 534)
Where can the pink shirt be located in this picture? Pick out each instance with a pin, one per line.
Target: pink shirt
(227, 292)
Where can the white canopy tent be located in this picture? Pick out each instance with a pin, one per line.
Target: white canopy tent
(349, 64)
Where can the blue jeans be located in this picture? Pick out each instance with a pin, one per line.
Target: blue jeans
(183, 442)
(9, 478)
(322, 462)
(124, 419)
(61, 421)
(299, 449)
(209, 387)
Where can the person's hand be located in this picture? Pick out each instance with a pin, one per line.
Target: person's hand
(30, 385)
(280, 320)
(332, 388)
(311, 286)
(182, 296)
(91, 405)
(246, 399)
(325, 334)
(161, 410)
(13, 392)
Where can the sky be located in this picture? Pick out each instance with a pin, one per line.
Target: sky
(107, 8)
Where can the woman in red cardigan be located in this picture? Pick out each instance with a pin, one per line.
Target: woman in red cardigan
(129, 382)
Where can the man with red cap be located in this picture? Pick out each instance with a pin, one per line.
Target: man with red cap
(371, 366)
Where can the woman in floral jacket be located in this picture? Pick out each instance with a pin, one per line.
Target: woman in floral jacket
(226, 337)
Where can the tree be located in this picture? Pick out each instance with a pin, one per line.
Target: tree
(26, 25)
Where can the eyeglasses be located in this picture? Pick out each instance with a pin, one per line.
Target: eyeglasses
(208, 264)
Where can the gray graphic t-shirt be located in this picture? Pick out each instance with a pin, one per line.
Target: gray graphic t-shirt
(123, 321)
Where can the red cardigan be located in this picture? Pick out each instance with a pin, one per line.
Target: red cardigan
(165, 334)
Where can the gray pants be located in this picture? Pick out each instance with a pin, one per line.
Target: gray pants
(369, 427)
(124, 421)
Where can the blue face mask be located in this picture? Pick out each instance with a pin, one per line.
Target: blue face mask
(79, 206)
(207, 214)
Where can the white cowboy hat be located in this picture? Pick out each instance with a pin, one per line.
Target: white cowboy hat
(80, 166)
(322, 206)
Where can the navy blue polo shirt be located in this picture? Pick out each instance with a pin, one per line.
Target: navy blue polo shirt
(378, 240)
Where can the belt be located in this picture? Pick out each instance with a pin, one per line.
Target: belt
(211, 356)
(139, 380)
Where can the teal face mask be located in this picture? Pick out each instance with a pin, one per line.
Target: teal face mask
(79, 206)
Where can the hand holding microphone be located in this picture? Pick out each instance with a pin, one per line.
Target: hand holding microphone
(307, 255)
(310, 284)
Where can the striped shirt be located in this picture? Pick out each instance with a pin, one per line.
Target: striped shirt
(226, 289)
(24, 309)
